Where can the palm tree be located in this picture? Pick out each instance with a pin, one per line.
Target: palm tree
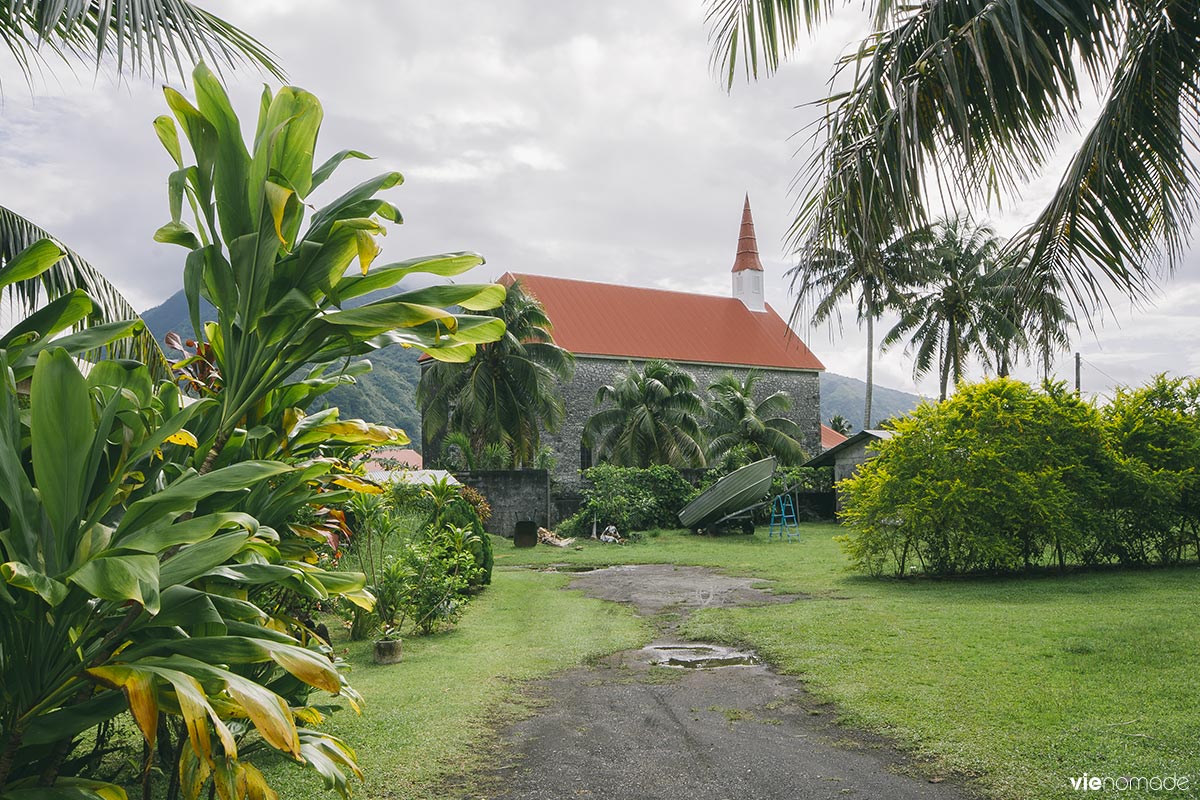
(840, 424)
(960, 308)
(653, 418)
(870, 276)
(737, 422)
(508, 392)
(974, 97)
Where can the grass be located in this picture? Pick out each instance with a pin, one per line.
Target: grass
(1016, 683)
(428, 720)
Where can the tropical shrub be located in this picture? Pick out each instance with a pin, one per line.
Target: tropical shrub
(1156, 432)
(277, 285)
(426, 584)
(632, 498)
(999, 477)
(120, 584)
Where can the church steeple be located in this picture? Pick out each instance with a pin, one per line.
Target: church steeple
(747, 269)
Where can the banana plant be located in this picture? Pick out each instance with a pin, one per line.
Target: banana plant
(123, 585)
(278, 284)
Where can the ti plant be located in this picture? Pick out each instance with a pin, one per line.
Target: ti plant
(279, 285)
(123, 588)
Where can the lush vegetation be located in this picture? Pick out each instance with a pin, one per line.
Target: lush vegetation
(423, 551)
(500, 399)
(1016, 683)
(159, 554)
(741, 428)
(653, 415)
(1003, 477)
(631, 498)
(649, 416)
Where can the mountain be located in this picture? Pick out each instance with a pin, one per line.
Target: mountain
(386, 394)
(845, 396)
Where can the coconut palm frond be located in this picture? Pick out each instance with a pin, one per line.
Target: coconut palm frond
(72, 272)
(141, 36)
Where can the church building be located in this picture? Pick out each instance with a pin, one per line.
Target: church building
(608, 326)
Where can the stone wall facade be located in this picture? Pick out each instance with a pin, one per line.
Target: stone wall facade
(514, 495)
(591, 372)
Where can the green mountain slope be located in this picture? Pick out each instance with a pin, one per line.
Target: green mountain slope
(845, 396)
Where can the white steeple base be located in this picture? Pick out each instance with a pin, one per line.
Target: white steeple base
(748, 287)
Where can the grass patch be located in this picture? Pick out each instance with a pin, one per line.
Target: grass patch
(428, 720)
(1018, 682)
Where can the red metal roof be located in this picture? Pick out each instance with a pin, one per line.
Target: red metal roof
(747, 252)
(830, 437)
(603, 319)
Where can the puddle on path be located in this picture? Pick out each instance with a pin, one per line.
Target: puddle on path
(698, 656)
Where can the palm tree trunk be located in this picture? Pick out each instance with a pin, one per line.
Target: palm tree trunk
(870, 370)
(944, 369)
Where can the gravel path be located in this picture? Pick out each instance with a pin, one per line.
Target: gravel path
(686, 721)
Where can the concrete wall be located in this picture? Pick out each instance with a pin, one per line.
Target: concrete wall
(591, 373)
(514, 495)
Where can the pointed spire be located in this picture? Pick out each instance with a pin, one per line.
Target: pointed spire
(747, 252)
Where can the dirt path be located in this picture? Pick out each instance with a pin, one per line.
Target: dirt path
(684, 721)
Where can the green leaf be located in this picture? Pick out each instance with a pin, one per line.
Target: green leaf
(61, 433)
(232, 165)
(201, 558)
(51, 319)
(164, 536)
(293, 121)
(120, 577)
(22, 576)
(177, 233)
(168, 134)
(185, 493)
(446, 265)
(326, 170)
(32, 261)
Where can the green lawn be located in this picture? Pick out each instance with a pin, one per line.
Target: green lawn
(1021, 683)
(429, 719)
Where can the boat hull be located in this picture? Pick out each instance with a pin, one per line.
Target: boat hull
(738, 490)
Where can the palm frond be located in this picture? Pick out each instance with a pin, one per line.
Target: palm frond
(760, 32)
(141, 36)
(69, 274)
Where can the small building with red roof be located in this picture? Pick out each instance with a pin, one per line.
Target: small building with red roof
(608, 326)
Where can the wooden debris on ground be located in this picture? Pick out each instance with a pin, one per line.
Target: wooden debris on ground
(553, 539)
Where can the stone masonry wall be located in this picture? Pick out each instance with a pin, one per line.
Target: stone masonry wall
(514, 495)
(579, 397)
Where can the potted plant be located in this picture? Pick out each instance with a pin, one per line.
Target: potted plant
(388, 646)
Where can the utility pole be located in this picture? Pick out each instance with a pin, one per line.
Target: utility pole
(1078, 359)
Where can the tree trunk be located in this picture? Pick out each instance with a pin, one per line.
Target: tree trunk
(211, 458)
(870, 370)
(944, 369)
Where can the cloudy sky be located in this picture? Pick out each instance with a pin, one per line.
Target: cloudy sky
(585, 140)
